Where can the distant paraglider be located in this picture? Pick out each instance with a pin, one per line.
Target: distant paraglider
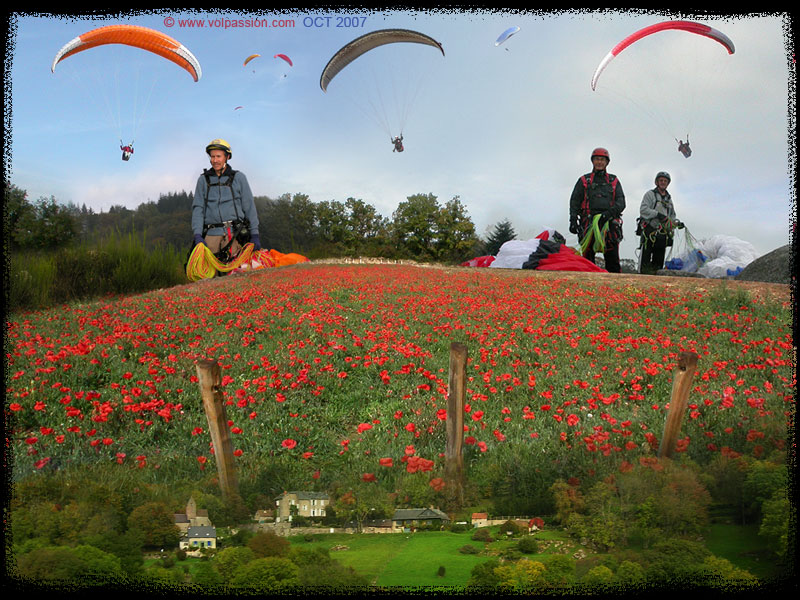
(365, 43)
(284, 57)
(127, 151)
(505, 35)
(688, 26)
(133, 35)
(667, 89)
(683, 147)
(149, 40)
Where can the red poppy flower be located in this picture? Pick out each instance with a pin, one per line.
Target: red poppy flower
(386, 462)
(289, 443)
(368, 477)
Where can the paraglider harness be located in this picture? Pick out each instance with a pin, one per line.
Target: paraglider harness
(647, 232)
(238, 229)
(614, 231)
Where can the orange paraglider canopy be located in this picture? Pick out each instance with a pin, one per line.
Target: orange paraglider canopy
(137, 36)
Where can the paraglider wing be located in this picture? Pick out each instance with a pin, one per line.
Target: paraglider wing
(284, 57)
(249, 58)
(139, 37)
(506, 34)
(688, 26)
(367, 42)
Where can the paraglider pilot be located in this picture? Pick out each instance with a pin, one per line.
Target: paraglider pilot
(683, 147)
(224, 216)
(595, 209)
(657, 224)
(127, 151)
(398, 143)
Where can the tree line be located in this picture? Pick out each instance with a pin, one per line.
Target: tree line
(421, 227)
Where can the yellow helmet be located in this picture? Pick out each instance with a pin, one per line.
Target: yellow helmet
(219, 144)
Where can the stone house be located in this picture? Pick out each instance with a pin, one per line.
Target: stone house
(304, 504)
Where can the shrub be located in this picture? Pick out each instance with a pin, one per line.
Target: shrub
(441, 571)
(469, 549)
(482, 534)
(528, 545)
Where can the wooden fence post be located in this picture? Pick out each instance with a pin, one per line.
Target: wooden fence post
(454, 459)
(687, 365)
(209, 376)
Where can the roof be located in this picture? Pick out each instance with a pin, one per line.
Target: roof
(306, 495)
(201, 532)
(480, 515)
(181, 518)
(402, 514)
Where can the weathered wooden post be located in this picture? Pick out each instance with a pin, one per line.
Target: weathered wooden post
(454, 459)
(687, 365)
(210, 379)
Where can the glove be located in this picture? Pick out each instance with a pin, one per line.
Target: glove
(573, 226)
(256, 241)
(679, 224)
(198, 239)
(604, 218)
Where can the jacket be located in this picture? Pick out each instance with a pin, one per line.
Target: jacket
(599, 195)
(657, 209)
(227, 198)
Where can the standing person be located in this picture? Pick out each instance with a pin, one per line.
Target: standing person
(224, 216)
(658, 222)
(595, 211)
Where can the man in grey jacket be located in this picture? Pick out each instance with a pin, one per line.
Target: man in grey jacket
(658, 221)
(224, 216)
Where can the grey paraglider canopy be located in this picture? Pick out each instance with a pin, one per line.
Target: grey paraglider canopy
(367, 42)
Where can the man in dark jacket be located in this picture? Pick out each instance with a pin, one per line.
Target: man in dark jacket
(595, 211)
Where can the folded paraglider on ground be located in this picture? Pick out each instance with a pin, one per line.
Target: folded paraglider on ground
(546, 252)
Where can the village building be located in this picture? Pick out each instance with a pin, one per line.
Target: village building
(406, 519)
(304, 504)
(196, 527)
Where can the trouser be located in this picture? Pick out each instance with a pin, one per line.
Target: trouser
(611, 256)
(654, 248)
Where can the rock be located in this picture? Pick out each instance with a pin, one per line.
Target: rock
(774, 267)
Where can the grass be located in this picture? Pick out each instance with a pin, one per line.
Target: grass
(742, 545)
(413, 560)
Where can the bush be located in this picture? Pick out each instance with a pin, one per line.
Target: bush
(528, 545)
(441, 571)
(482, 534)
(469, 549)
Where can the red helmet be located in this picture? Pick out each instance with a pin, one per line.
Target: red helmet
(601, 152)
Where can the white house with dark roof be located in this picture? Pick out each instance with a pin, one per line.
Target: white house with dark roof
(199, 537)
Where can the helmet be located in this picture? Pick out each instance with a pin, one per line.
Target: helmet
(662, 174)
(601, 152)
(219, 144)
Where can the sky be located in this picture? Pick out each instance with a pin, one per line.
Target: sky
(507, 129)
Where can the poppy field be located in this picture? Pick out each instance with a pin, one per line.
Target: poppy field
(339, 373)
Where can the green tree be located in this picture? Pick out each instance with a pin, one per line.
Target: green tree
(272, 573)
(266, 543)
(59, 562)
(775, 522)
(629, 574)
(599, 576)
(414, 226)
(205, 575)
(155, 521)
(522, 575)
(455, 233)
(560, 570)
(502, 233)
(229, 560)
(483, 575)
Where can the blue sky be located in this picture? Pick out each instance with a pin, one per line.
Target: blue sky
(508, 129)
